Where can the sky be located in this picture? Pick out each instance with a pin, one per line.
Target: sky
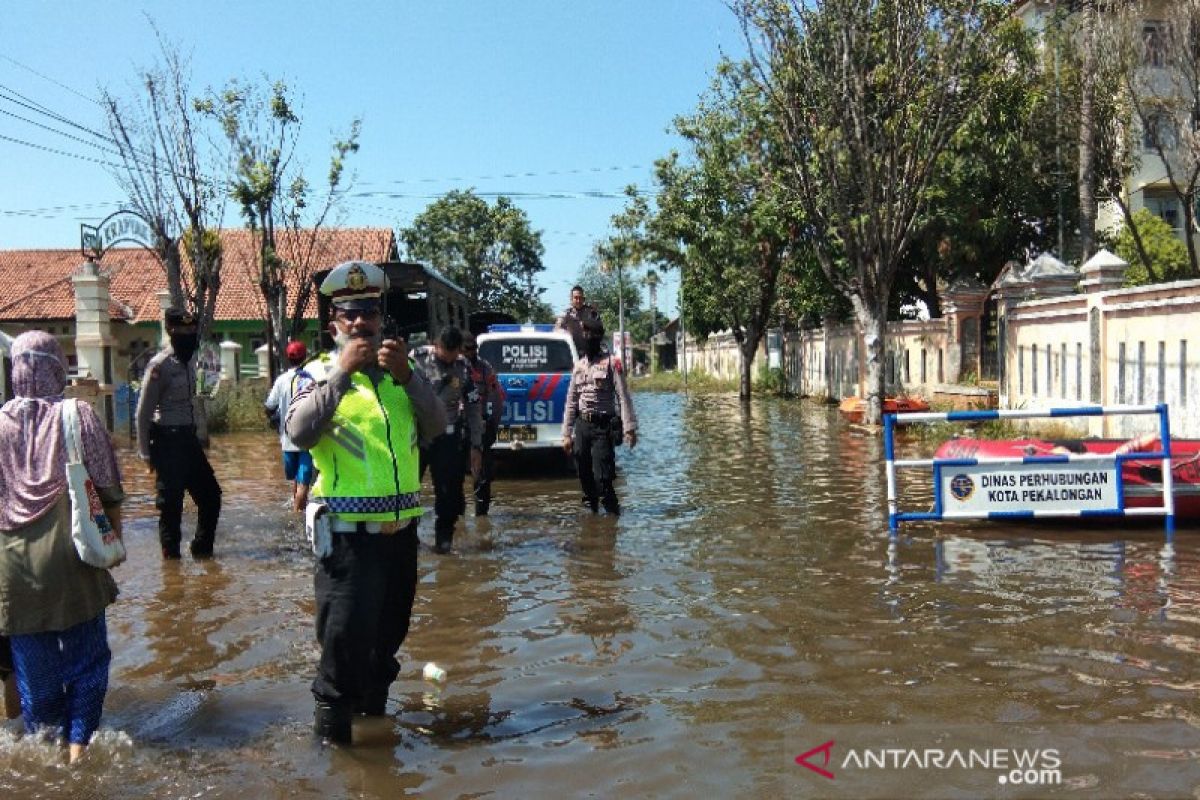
(558, 105)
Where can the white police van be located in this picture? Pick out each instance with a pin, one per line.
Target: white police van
(533, 364)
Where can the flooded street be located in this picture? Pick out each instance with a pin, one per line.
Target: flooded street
(748, 607)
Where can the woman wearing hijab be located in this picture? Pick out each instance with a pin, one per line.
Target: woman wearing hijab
(52, 603)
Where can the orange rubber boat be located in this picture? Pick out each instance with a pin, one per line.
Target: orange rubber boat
(853, 408)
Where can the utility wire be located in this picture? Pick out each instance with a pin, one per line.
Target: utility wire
(508, 175)
(60, 152)
(64, 134)
(33, 105)
(28, 68)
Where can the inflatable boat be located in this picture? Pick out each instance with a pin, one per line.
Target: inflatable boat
(853, 408)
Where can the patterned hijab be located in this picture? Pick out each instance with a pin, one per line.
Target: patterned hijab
(32, 452)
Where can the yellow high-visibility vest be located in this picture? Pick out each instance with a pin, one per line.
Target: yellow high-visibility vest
(367, 458)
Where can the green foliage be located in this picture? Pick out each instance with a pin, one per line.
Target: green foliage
(771, 382)
(492, 252)
(238, 407)
(995, 190)
(697, 383)
(1167, 253)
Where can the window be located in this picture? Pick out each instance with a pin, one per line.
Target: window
(1166, 208)
(1154, 43)
(1158, 130)
(527, 355)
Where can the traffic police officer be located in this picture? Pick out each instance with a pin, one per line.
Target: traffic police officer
(362, 417)
(491, 405)
(592, 424)
(167, 442)
(447, 371)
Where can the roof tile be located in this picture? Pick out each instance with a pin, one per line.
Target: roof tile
(36, 284)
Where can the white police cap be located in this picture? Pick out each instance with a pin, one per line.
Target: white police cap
(354, 284)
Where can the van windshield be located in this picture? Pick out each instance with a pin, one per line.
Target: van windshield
(527, 355)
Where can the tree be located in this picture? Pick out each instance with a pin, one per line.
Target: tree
(1087, 130)
(995, 194)
(273, 195)
(489, 251)
(1157, 255)
(604, 290)
(868, 95)
(1160, 76)
(721, 218)
(651, 281)
(167, 175)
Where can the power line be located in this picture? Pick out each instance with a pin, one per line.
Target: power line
(509, 175)
(35, 106)
(28, 68)
(44, 213)
(60, 152)
(136, 157)
(559, 195)
(64, 134)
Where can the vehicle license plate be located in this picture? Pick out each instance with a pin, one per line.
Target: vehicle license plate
(517, 433)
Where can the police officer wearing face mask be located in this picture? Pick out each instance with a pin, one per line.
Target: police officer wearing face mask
(167, 443)
(592, 425)
(450, 375)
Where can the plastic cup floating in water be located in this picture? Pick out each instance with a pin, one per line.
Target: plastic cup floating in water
(434, 673)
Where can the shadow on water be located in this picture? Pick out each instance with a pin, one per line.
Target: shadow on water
(746, 606)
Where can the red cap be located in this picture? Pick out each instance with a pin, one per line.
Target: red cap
(296, 351)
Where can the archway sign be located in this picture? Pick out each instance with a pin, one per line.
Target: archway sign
(122, 226)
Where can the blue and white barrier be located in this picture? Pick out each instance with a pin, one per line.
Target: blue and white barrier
(1032, 486)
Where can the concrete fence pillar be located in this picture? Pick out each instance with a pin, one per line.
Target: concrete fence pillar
(94, 342)
(230, 360)
(263, 355)
(164, 303)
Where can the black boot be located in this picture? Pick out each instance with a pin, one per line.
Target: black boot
(481, 507)
(332, 723)
(591, 503)
(374, 704)
(443, 536)
(609, 501)
(170, 551)
(202, 547)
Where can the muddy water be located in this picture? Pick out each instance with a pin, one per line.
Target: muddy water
(748, 607)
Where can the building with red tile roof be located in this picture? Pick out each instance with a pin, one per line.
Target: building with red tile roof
(36, 289)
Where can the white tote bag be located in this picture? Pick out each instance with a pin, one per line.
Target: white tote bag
(95, 540)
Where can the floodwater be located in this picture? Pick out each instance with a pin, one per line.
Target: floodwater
(748, 607)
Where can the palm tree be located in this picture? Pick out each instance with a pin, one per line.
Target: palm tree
(651, 281)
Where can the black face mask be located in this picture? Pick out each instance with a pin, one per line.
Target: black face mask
(591, 346)
(184, 345)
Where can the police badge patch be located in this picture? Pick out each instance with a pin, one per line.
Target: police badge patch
(356, 278)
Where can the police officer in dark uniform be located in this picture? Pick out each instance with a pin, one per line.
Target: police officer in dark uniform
(491, 404)
(599, 413)
(444, 367)
(167, 442)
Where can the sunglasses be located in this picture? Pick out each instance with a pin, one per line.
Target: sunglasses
(352, 314)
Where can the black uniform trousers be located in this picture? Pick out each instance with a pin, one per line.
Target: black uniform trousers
(365, 590)
(596, 460)
(443, 457)
(483, 481)
(180, 465)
